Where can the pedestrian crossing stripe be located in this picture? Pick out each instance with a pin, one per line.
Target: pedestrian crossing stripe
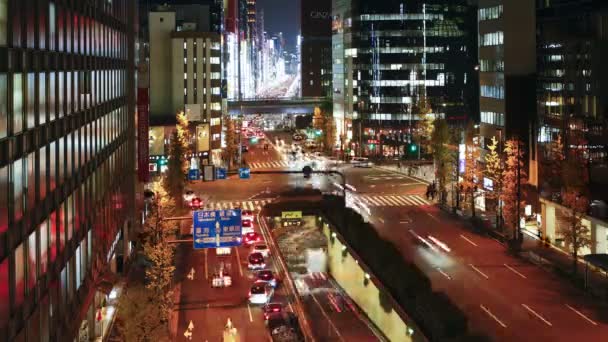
(393, 200)
(269, 165)
(245, 205)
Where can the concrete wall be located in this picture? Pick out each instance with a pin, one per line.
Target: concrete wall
(160, 62)
(352, 278)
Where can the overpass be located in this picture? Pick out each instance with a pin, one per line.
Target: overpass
(283, 105)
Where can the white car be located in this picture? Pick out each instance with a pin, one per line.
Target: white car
(261, 248)
(260, 293)
(247, 215)
(361, 162)
(247, 227)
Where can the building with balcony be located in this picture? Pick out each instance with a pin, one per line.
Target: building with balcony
(67, 163)
(390, 55)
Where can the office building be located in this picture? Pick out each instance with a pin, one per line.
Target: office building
(67, 124)
(507, 66)
(185, 75)
(388, 56)
(572, 45)
(315, 50)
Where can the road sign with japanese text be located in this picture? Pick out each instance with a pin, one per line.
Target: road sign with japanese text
(217, 228)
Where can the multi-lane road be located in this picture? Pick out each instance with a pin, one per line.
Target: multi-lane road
(503, 297)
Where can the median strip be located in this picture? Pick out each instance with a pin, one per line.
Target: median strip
(486, 310)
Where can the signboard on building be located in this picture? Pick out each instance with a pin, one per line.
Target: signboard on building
(202, 138)
(217, 228)
(143, 126)
(194, 112)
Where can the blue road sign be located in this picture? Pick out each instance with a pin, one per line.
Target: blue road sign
(220, 173)
(244, 173)
(217, 228)
(194, 174)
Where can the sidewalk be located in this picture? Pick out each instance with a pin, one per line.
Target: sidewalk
(422, 175)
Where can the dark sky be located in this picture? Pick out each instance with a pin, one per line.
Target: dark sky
(282, 16)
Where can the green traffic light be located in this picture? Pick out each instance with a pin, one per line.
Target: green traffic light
(413, 148)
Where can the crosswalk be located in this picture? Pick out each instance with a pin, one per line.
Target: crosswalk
(392, 200)
(279, 164)
(246, 205)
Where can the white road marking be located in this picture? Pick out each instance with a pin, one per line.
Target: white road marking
(444, 274)
(478, 271)
(381, 220)
(492, 315)
(537, 315)
(515, 271)
(250, 315)
(468, 240)
(433, 217)
(238, 259)
(581, 314)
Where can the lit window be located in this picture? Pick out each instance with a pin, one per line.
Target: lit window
(215, 121)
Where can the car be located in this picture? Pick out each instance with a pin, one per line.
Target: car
(247, 215)
(196, 203)
(189, 195)
(267, 276)
(262, 248)
(361, 162)
(247, 226)
(256, 261)
(284, 326)
(251, 238)
(272, 309)
(260, 293)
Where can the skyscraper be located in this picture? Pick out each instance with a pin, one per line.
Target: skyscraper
(67, 134)
(316, 48)
(388, 56)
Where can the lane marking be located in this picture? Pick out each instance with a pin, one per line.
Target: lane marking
(433, 217)
(468, 240)
(206, 266)
(492, 315)
(445, 274)
(581, 314)
(537, 315)
(381, 220)
(238, 259)
(478, 271)
(515, 271)
(250, 315)
(327, 317)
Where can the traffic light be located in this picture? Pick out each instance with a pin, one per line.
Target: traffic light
(162, 161)
(318, 132)
(413, 147)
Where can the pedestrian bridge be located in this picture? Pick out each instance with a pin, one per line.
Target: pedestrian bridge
(283, 105)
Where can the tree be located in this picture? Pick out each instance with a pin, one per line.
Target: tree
(160, 273)
(576, 235)
(443, 162)
(494, 171)
(175, 180)
(473, 175)
(555, 165)
(141, 319)
(329, 134)
(231, 150)
(183, 131)
(424, 126)
(511, 189)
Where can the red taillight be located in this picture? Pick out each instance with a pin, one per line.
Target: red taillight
(275, 310)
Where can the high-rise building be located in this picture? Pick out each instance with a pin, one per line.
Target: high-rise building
(507, 66)
(572, 45)
(388, 56)
(67, 136)
(185, 75)
(315, 50)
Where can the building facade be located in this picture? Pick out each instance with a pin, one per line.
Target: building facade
(315, 49)
(388, 56)
(67, 123)
(185, 75)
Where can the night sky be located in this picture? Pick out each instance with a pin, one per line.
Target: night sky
(282, 16)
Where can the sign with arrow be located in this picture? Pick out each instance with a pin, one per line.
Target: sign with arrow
(217, 228)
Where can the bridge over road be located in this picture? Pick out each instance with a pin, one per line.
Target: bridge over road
(285, 105)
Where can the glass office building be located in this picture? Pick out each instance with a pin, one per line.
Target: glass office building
(66, 161)
(388, 56)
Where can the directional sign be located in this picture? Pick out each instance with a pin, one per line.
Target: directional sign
(244, 173)
(220, 173)
(194, 174)
(217, 228)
